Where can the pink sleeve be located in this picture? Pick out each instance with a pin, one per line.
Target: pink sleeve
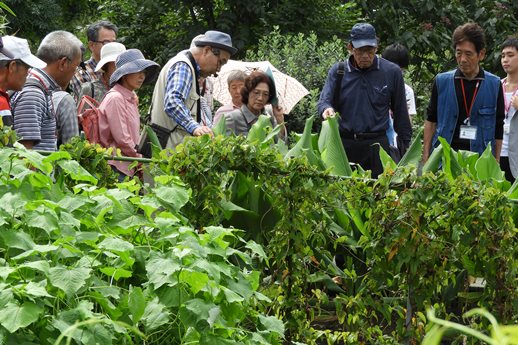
(116, 112)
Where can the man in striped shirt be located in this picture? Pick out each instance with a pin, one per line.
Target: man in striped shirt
(32, 108)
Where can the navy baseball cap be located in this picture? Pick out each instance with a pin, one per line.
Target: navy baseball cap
(363, 34)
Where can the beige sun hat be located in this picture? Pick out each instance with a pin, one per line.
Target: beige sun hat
(109, 53)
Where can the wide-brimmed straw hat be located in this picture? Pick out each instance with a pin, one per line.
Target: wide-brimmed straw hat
(132, 61)
(15, 48)
(216, 39)
(109, 53)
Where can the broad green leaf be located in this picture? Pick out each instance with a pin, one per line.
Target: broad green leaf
(37, 289)
(332, 149)
(386, 160)
(304, 147)
(413, 154)
(136, 304)
(450, 165)
(155, 315)
(229, 208)
(195, 280)
(14, 317)
(231, 296)
(5, 271)
(272, 324)
(13, 203)
(487, 167)
(56, 156)
(199, 308)
(257, 133)
(115, 244)
(257, 249)
(221, 127)
(76, 171)
(34, 158)
(116, 272)
(38, 249)
(173, 196)
(434, 161)
(17, 239)
(70, 280)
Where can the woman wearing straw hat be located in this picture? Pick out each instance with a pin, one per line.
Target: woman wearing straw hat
(119, 123)
(98, 88)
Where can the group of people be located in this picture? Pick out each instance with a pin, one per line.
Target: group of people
(469, 107)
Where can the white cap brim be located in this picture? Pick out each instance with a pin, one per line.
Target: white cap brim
(34, 61)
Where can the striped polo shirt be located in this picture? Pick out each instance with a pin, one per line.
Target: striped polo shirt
(33, 113)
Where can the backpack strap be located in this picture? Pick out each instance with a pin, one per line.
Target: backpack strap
(339, 77)
(196, 77)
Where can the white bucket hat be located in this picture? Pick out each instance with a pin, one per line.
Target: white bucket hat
(109, 53)
(15, 48)
(132, 61)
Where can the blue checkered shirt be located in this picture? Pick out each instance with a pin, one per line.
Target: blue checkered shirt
(178, 87)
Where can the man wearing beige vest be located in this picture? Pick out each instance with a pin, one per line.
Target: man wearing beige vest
(176, 97)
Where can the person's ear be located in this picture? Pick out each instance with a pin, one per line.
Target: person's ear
(350, 47)
(62, 63)
(482, 54)
(12, 66)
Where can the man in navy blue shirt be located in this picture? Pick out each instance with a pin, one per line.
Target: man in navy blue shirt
(367, 88)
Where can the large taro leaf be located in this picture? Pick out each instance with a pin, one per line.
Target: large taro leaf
(487, 168)
(259, 129)
(221, 127)
(434, 161)
(413, 154)
(332, 150)
(450, 164)
(304, 147)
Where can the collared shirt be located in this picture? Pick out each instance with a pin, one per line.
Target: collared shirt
(366, 96)
(82, 76)
(119, 124)
(227, 108)
(5, 109)
(178, 87)
(240, 121)
(469, 89)
(33, 112)
(66, 116)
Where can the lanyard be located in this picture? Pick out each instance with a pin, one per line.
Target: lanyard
(468, 110)
(507, 104)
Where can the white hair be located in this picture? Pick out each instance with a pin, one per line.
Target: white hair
(59, 44)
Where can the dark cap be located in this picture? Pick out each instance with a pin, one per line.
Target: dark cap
(363, 34)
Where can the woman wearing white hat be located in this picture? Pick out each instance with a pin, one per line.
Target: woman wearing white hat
(119, 123)
(98, 88)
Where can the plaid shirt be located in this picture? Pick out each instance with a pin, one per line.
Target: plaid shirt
(82, 76)
(178, 88)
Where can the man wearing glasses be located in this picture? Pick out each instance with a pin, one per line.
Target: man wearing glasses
(176, 104)
(98, 35)
(362, 90)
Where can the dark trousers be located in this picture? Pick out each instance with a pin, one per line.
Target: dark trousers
(365, 152)
(504, 165)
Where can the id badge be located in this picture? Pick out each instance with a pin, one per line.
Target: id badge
(468, 132)
(506, 128)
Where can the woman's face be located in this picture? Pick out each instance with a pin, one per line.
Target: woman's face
(235, 91)
(133, 81)
(258, 97)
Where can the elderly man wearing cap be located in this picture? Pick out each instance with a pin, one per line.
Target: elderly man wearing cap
(15, 61)
(363, 89)
(33, 109)
(176, 104)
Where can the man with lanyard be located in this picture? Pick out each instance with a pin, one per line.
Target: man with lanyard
(363, 90)
(509, 153)
(176, 104)
(467, 104)
(15, 60)
(98, 34)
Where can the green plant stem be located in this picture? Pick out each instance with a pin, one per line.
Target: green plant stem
(461, 328)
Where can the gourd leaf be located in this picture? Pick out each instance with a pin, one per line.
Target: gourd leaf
(14, 316)
(70, 280)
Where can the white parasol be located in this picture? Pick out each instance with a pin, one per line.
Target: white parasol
(289, 90)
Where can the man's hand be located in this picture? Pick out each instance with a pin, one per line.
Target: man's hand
(329, 112)
(202, 130)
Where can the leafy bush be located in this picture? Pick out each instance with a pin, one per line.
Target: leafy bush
(113, 266)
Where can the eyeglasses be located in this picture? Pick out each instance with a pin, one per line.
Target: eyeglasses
(258, 93)
(104, 42)
(365, 50)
